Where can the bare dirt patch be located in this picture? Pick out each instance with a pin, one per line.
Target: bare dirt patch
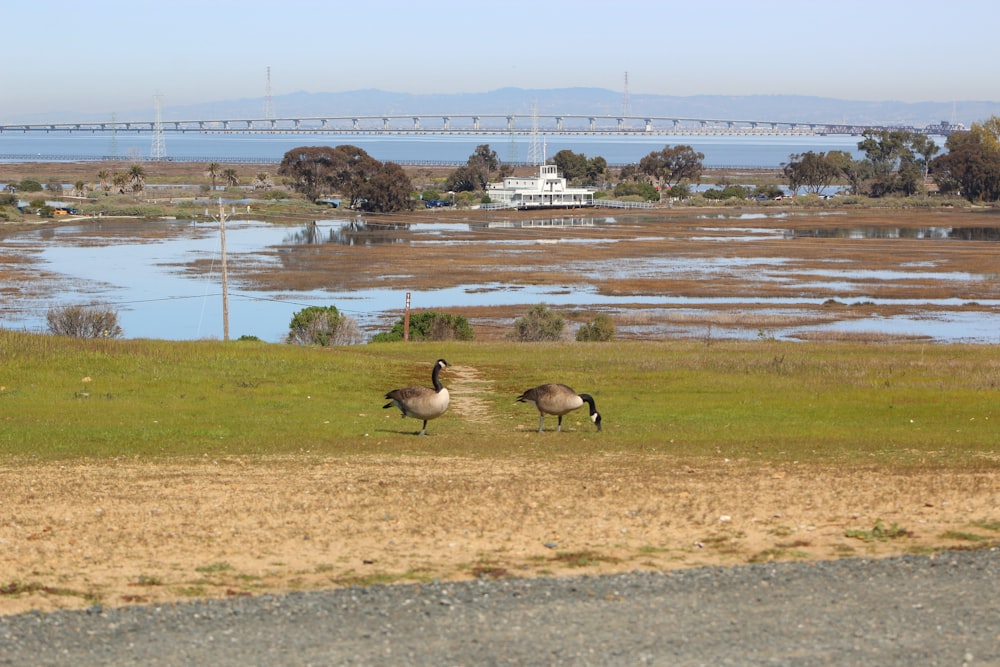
(131, 532)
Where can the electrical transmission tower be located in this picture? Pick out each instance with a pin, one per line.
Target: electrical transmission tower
(268, 102)
(535, 156)
(626, 106)
(158, 151)
(113, 143)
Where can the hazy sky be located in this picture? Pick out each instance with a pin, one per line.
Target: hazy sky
(114, 56)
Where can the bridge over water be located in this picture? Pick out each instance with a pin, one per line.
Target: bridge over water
(473, 124)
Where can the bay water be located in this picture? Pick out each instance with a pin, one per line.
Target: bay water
(747, 151)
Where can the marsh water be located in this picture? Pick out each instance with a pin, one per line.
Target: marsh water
(165, 278)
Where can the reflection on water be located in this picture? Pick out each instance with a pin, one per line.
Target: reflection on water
(163, 277)
(550, 222)
(357, 232)
(957, 233)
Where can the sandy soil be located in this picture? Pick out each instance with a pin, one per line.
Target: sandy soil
(130, 532)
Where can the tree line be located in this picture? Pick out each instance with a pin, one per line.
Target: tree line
(894, 163)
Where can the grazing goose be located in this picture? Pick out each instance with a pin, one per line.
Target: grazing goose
(558, 399)
(421, 402)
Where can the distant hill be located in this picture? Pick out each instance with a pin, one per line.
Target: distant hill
(597, 101)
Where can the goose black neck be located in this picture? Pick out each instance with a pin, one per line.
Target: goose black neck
(434, 378)
(590, 401)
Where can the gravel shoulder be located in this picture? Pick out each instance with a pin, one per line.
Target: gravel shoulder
(912, 610)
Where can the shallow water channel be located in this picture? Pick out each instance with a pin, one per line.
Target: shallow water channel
(164, 278)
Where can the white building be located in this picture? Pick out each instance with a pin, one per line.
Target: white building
(547, 190)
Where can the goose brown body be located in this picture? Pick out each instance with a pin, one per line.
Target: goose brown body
(558, 400)
(424, 403)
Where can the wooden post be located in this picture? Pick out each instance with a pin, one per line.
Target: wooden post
(406, 319)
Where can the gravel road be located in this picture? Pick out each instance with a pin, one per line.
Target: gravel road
(912, 610)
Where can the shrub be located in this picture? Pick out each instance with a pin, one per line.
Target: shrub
(429, 325)
(324, 326)
(642, 190)
(728, 192)
(539, 324)
(679, 191)
(601, 329)
(83, 322)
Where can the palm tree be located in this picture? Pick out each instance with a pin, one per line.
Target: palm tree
(78, 188)
(232, 178)
(105, 178)
(213, 171)
(121, 181)
(262, 181)
(137, 177)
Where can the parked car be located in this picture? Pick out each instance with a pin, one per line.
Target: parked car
(436, 203)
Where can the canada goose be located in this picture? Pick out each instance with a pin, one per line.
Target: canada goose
(558, 399)
(421, 402)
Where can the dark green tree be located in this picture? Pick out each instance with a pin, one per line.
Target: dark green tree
(855, 172)
(315, 171)
(670, 166)
(577, 167)
(365, 182)
(597, 170)
(464, 179)
(728, 192)
(387, 188)
(475, 174)
(897, 160)
(632, 189)
(485, 158)
(573, 166)
(809, 170)
(971, 166)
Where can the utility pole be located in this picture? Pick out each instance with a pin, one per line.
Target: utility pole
(225, 273)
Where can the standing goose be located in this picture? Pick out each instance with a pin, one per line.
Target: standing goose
(421, 402)
(558, 399)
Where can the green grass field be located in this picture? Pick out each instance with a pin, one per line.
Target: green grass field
(880, 404)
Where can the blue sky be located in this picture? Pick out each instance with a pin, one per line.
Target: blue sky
(105, 56)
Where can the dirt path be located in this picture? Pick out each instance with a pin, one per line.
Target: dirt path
(129, 532)
(467, 387)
